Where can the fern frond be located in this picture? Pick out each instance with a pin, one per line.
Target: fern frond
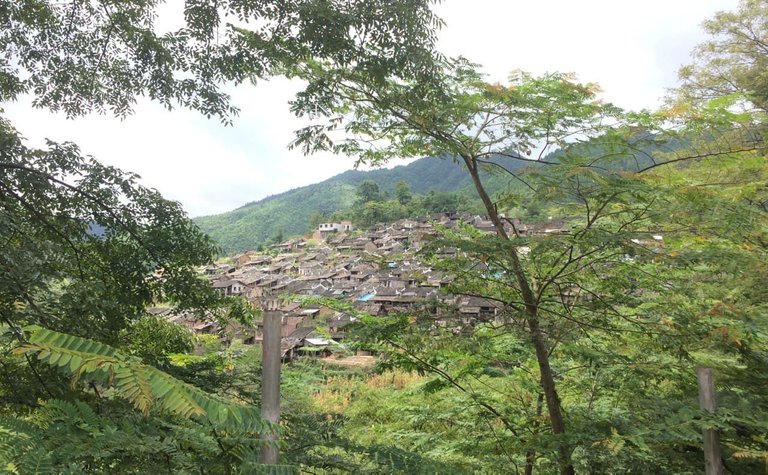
(19, 450)
(16, 427)
(79, 412)
(146, 387)
(36, 462)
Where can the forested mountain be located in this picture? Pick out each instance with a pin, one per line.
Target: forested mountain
(290, 213)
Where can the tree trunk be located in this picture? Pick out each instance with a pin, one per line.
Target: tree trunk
(530, 456)
(531, 310)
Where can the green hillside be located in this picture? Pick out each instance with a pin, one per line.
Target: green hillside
(289, 213)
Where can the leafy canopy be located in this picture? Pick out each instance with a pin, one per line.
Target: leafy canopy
(86, 247)
(734, 60)
(100, 55)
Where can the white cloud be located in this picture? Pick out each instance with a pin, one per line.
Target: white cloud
(632, 49)
(209, 168)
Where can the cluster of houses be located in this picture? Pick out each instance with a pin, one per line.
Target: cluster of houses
(377, 271)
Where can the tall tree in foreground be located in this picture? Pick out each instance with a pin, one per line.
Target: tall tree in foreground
(477, 123)
(628, 317)
(548, 121)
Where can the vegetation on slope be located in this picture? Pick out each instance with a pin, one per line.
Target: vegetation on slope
(291, 213)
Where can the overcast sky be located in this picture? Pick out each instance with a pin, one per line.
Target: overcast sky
(632, 49)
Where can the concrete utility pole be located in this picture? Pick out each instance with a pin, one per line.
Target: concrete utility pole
(270, 385)
(713, 463)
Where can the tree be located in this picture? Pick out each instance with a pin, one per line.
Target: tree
(734, 61)
(403, 193)
(74, 435)
(366, 192)
(85, 247)
(581, 152)
(442, 202)
(279, 237)
(460, 116)
(154, 339)
(98, 55)
(630, 321)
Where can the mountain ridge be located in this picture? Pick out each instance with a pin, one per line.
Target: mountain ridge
(289, 212)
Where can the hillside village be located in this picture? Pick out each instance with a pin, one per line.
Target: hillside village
(378, 271)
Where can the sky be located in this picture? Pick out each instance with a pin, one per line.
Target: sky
(631, 49)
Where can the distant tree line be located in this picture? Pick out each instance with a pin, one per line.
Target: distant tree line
(373, 206)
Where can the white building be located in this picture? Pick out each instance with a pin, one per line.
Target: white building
(335, 227)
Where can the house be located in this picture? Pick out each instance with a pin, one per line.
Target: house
(289, 245)
(290, 344)
(314, 287)
(159, 311)
(361, 268)
(318, 347)
(229, 286)
(477, 307)
(344, 226)
(289, 324)
(550, 226)
(256, 262)
(291, 307)
(310, 268)
(393, 300)
(217, 269)
(205, 328)
(336, 326)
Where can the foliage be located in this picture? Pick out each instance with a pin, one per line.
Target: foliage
(734, 60)
(403, 192)
(98, 56)
(19, 449)
(180, 427)
(366, 192)
(455, 114)
(246, 227)
(632, 317)
(460, 116)
(296, 210)
(577, 299)
(70, 437)
(147, 388)
(154, 339)
(318, 435)
(86, 247)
